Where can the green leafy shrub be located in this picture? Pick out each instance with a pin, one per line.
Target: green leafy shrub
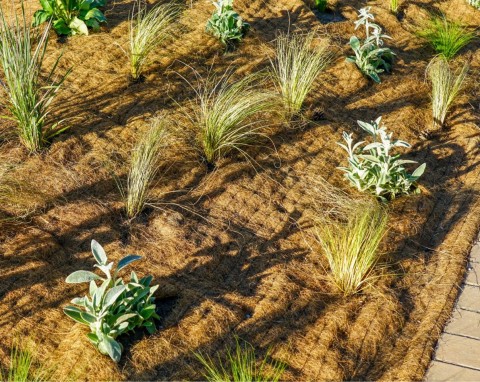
(242, 366)
(370, 57)
(446, 37)
(71, 17)
(113, 307)
(226, 24)
(373, 168)
(297, 64)
(29, 94)
(148, 30)
(446, 85)
(351, 245)
(474, 3)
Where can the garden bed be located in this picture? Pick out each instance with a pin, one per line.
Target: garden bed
(227, 248)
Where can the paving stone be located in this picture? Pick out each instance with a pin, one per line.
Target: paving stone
(473, 274)
(469, 298)
(475, 253)
(461, 351)
(441, 371)
(464, 323)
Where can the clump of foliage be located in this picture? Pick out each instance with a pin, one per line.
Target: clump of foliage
(71, 17)
(241, 365)
(351, 245)
(446, 37)
(23, 367)
(113, 307)
(446, 85)
(374, 168)
(296, 66)
(370, 57)
(321, 5)
(226, 24)
(474, 3)
(144, 167)
(29, 94)
(148, 30)
(229, 114)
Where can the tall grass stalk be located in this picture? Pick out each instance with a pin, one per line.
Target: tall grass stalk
(148, 30)
(230, 114)
(351, 246)
(446, 85)
(297, 64)
(445, 36)
(241, 365)
(144, 166)
(394, 6)
(21, 368)
(22, 52)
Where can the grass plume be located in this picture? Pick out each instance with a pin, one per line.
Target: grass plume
(446, 85)
(229, 114)
(297, 64)
(148, 30)
(144, 166)
(22, 52)
(351, 245)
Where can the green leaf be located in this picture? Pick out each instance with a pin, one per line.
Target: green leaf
(78, 27)
(126, 261)
(93, 337)
(47, 7)
(61, 27)
(75, 314)
(112, 296)
(39, 17)
(95, 13)
(112, 347)
(419, 171)
(98, 251)
(147, 312)
(81, 277)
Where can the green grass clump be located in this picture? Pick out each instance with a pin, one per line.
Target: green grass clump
(230, 114)
(23, 368)
(148, 30)
(446, 85)
(446, 37)
(22, 51)
(297, 64)
(351, 245)
(144, 166)
(241, 365)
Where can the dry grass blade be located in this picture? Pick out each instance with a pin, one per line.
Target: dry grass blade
(230, 114)
(446, 85)
(148, 30)
(351, 245)
(144, 167)
(22, 51)
(300, 58)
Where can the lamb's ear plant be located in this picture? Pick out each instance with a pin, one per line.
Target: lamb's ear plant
(351, 245)
(71, 17)
(230, 115)
(112, 307)
(474, 3)
(374, 168)
(446, 85)
(446, 37)
(241, 365)
(299, 59)
(148, 30)
(226, 24)
(29, 94)
(144, 165)
(370, 55)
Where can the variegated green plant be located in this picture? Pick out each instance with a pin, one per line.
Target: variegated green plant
(373, 168)
(112, 307)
